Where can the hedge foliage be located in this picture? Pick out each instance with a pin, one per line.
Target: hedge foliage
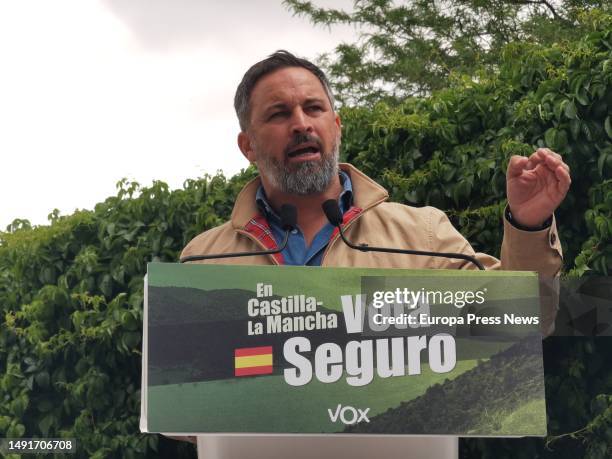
(451, 150)
(71, 297)
(71, 292)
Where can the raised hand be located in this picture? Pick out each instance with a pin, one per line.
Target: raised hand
(535, 186)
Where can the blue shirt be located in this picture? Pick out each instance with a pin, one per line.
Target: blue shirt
(296, 252)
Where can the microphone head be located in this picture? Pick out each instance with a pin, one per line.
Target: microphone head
(288, 217)
(332, 212)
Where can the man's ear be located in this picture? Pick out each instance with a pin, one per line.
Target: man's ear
(244, 143)
(338, 122)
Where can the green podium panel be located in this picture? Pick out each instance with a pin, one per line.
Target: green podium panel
(310, 350)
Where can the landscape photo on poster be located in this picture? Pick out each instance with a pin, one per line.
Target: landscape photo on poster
(310, 350)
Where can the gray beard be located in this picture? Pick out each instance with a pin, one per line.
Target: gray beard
(310, 177)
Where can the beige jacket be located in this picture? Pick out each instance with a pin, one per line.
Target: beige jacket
(373, 221)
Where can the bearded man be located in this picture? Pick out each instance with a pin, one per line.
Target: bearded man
(291, 131)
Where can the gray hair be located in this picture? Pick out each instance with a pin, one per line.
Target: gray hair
(279, 60)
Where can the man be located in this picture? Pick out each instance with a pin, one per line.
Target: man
(290, 130)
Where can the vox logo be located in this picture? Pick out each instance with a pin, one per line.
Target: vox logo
(348, 415)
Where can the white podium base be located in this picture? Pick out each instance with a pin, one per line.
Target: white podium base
(326, 447)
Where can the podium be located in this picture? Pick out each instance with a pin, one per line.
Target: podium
(313, 360)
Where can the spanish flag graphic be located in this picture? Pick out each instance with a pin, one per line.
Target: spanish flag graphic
(250, 361)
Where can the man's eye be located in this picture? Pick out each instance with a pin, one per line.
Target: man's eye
(315, 108)
(277, 115)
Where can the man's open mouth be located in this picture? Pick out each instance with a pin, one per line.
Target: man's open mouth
(303, 150)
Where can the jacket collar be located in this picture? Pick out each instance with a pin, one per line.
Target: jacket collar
(366, 193)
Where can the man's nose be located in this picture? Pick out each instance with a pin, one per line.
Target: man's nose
(300, 122)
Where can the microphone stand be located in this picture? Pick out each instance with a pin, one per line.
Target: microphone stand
(238, 254)
(333, 214)
(367, 248)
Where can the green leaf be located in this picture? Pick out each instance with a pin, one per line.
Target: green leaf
(19, 405)
(608, 126)
(561, 140)
(5, 421)
(129, 321)
(15, 431)
(575, 128)
(558, 108)
(153, 441)
(582, 97)
(449, 174)
(131, 339)
(45, 424)
(118, 274)
(586, 131)
(570, 110)
(42, 379)
(550, 137)
(106, 285)
(45, 406)
(601, 161)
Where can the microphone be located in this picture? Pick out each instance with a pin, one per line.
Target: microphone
(288, 218)
(333, 214)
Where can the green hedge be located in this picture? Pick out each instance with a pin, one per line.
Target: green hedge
(71, 292)
(71, 297)
(451, 150)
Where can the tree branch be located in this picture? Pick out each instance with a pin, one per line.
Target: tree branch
(554, 12)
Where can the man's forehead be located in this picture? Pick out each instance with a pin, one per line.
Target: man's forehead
(287, 83)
